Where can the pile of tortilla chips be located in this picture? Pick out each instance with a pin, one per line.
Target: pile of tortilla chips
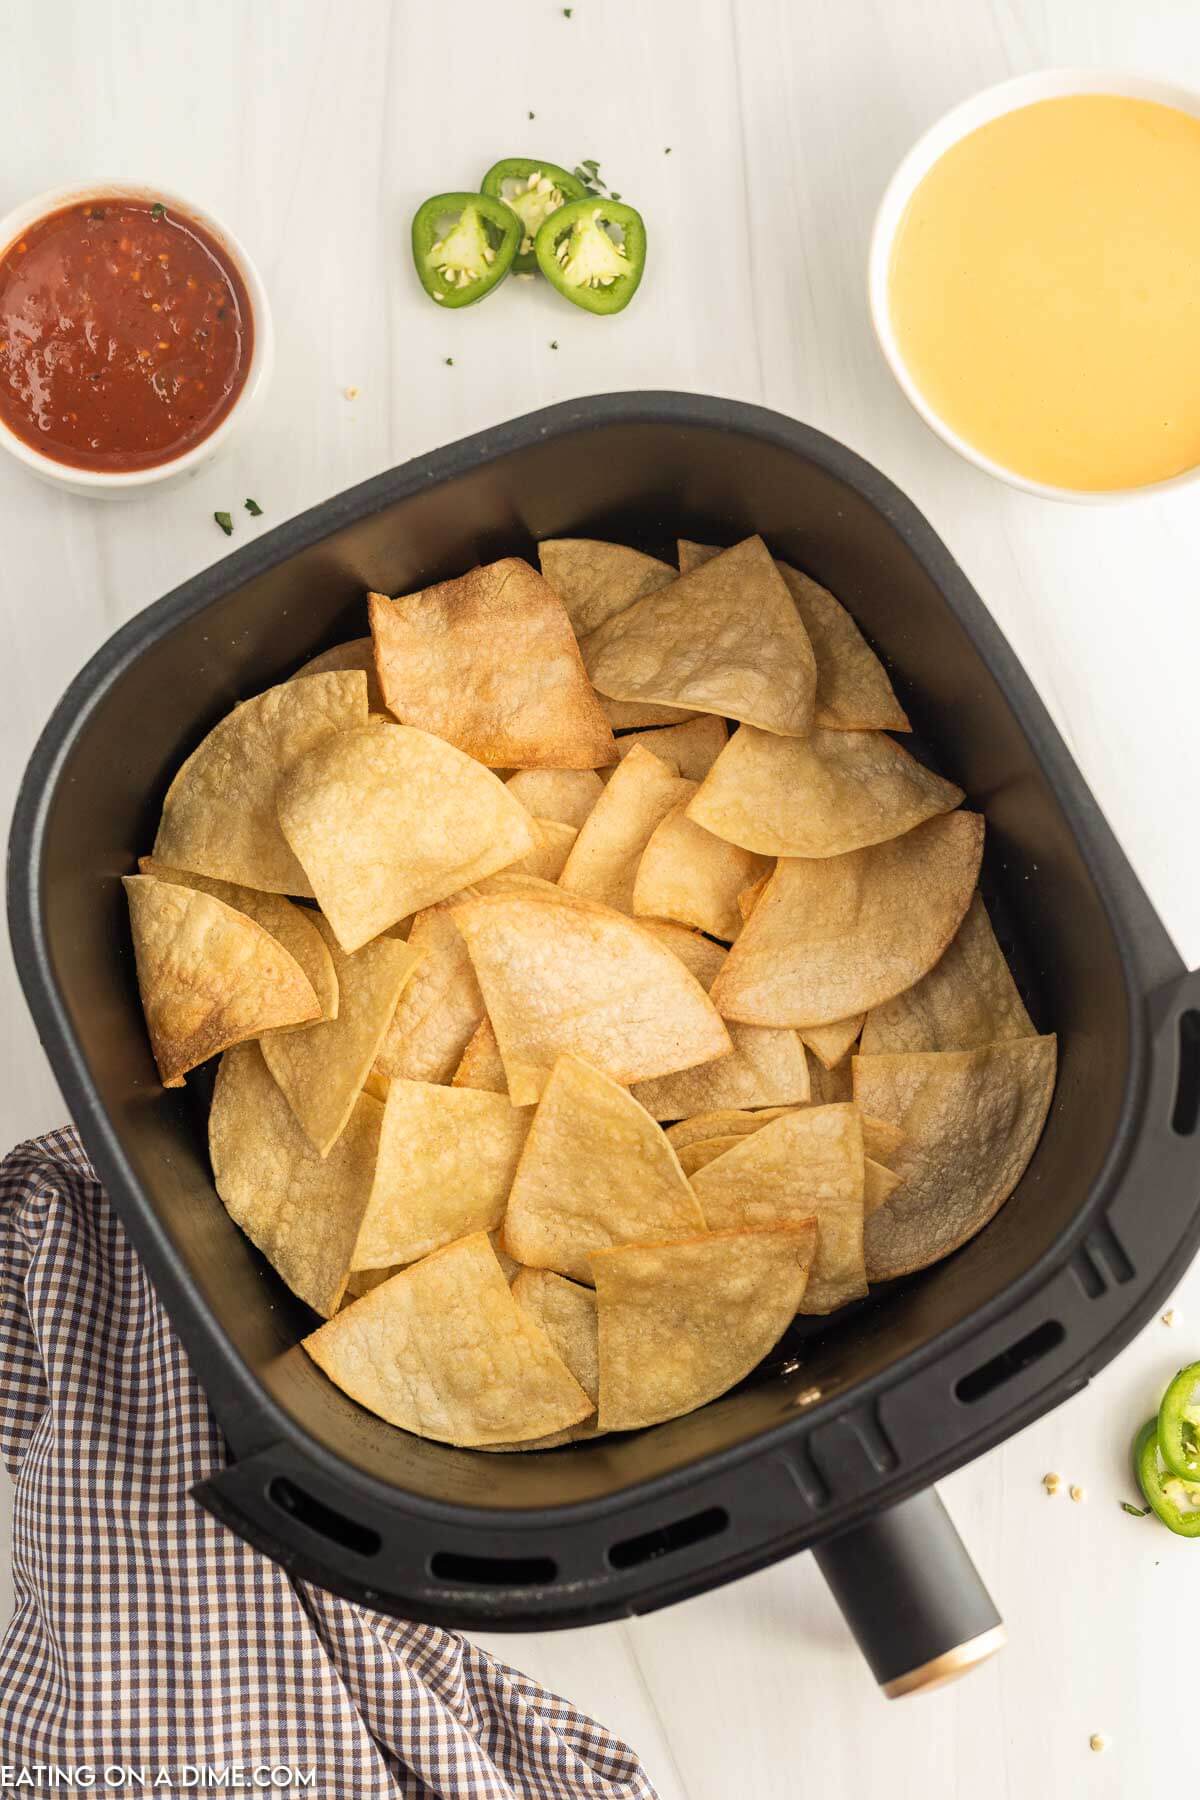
(563, 1069)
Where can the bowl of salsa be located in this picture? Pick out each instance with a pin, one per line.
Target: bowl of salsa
(135, 336)
(1034, 282)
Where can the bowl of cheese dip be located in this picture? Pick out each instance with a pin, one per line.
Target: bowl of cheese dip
(1034, 281)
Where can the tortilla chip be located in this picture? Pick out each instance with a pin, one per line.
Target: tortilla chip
(972, 1120)
(835, 791)
(219, 815)
(766, 1067)
(594, 580)
(481, 1065)
(604, 858)
(359, 653)
(446, 1163)
(566, 1313)
(722, 1121)
(967, 999)
(289, 925)
(548, 858)
(724, 640)
(838, 935)
(807, 1165)
(361, 1281)
(388, 820)
(302, 1210)
(879, 1184)
(443, 1350)
(831, 1044)
(749, 897)
(208, 976)
(688, 875)
(489, 661)
(692, 749)
(567, 795)
(440, 1007)
(322, 1071)
(853, 691)
(563, 976)
(680, 1324)
(376, 1085)
(595, 1171)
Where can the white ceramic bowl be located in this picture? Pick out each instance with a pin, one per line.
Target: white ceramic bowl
(103, 484)
(1007, 96)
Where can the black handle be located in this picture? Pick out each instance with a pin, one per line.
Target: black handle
(912, 1596)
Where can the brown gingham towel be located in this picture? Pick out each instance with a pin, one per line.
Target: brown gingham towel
(145, 1633)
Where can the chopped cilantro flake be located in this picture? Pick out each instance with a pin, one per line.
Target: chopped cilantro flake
(253, 508)
(225, 521)
(158, 210)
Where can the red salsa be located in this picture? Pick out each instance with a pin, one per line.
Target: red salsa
(125, 335)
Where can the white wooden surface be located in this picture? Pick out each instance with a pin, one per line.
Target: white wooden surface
(314, 129)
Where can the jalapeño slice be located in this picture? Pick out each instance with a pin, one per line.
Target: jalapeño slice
(534, 189)
(463, 246)
(594, 251)
(1179, 1424)
(1175, 1502)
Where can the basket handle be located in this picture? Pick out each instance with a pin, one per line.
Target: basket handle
(911, 1596)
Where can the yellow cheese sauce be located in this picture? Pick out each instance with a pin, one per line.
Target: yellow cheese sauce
(1045, 291)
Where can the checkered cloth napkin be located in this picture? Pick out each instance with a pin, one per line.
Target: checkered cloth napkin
(147, 1634)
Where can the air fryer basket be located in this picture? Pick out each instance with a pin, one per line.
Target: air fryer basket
(840, 1425)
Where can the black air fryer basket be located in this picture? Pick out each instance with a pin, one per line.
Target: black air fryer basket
(835, 1441)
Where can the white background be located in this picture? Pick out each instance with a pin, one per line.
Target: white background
(314, 129)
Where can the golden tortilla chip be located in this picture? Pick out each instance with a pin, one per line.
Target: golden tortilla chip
(691, 749)
(807, 1165)
(439, 1009)
(879, 1184)
(321, 1071)
(681, 1323)
(361, 1281)
(553, 845)
(443, 1350)
(219, 816)
(972, 1120)
(766, 1067)
(563, 976)
(481, 1065)
(835, 791)
(594, 580)
(388, 820)
(301, 1210)
(724, 1121)
(853, 691)
(967, 999)
(838, 935)
(377, 1085)
(359, 653)
(688, 875)
(208, 976)
(595, 1171)
(725, 639)
(489, 661)
(288, 924)
(831, 1044)
(567, 795)
(604, 858)
(446, 1162)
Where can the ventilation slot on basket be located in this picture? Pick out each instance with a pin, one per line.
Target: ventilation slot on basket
(324, 1520)
(493, 1571)
(631, 1552)
(1019, 1356)
(1186, 1115)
